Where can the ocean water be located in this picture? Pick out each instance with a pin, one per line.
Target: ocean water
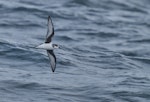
(105, 55)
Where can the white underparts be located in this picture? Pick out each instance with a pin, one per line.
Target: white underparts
(46, 46)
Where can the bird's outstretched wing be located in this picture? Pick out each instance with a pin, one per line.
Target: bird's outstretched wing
(50, 30)
(52, 58)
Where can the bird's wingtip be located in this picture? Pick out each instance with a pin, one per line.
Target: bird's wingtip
(53, 70)
(49, 17)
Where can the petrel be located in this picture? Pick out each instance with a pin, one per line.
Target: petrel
(48, 45)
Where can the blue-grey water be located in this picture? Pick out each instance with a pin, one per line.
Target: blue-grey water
(105, 55)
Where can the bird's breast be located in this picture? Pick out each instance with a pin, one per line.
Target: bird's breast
(46, 46)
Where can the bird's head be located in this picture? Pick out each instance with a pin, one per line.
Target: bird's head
(55, 46)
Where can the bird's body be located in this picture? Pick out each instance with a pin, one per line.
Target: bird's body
(46, 46)
(49, 46)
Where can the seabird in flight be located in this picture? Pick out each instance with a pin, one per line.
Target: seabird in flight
(48, 45)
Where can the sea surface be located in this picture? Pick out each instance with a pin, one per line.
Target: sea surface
(105, 55)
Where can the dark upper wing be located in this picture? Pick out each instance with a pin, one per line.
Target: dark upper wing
(52, 59)
(50, 30)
